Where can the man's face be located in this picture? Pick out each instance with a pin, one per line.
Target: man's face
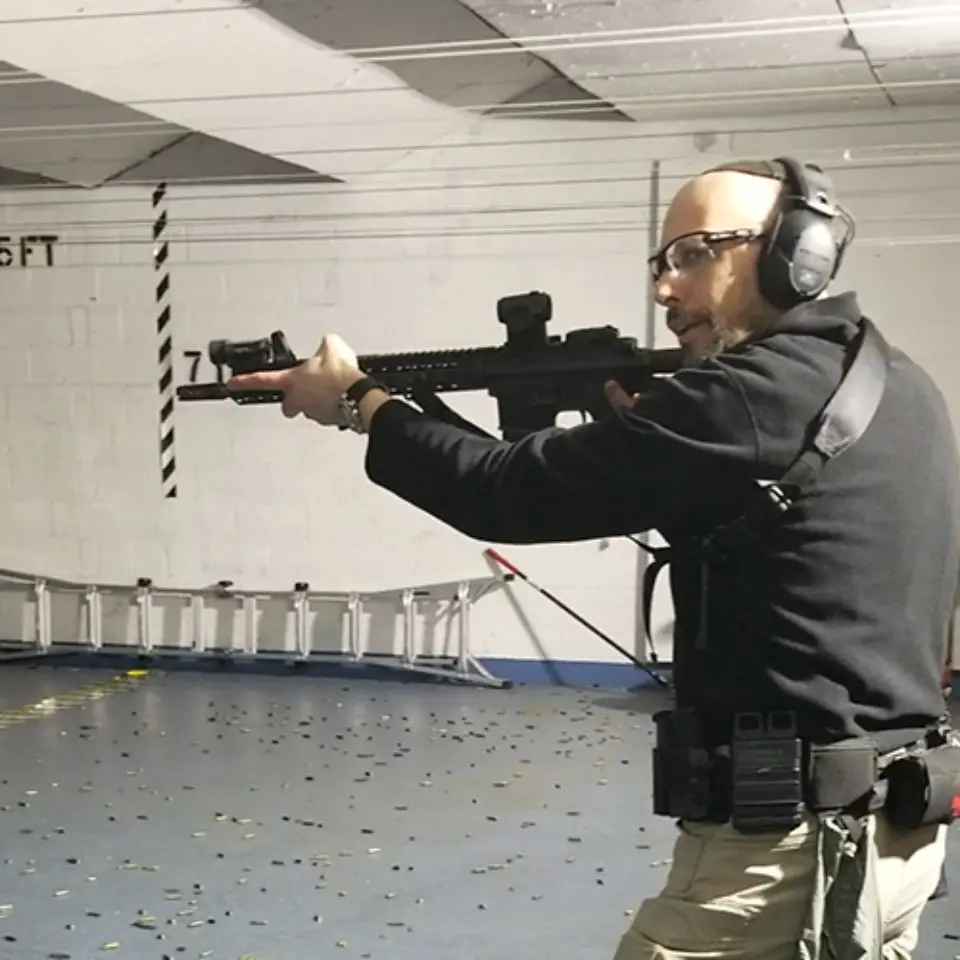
(705, 270)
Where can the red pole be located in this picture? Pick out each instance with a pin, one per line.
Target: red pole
(516, 571)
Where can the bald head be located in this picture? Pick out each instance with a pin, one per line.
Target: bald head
(722, 199)
(706, 272)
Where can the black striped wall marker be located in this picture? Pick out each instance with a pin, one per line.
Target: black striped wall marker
(161, 253)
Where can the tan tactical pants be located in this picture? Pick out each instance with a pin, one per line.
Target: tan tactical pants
(732, 895)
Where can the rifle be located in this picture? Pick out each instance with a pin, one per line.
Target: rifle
(532, 376)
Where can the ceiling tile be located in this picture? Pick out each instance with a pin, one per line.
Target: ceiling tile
(51, 130)
(689, 53)
(887, 30)
(466, 80)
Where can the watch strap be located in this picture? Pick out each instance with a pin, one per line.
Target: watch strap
(357, 391)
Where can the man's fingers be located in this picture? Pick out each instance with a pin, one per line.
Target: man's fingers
(617, 396)
(288, 408)
(269, 380)
(261, 380)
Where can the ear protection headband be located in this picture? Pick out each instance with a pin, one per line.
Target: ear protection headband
(803, 252)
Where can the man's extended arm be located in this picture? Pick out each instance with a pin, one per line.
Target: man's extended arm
(634, 470)
(638, 469)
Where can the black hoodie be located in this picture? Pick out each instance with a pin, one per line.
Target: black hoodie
(841, 616)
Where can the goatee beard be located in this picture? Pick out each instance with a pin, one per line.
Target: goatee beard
(682, 319)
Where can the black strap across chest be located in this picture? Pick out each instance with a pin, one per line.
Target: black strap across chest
(842, 422)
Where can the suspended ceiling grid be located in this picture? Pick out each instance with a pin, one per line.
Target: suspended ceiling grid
(78, 108)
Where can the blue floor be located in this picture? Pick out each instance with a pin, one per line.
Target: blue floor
(292, 818)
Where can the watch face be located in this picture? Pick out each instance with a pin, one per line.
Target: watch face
(350, 415)
(344, 410)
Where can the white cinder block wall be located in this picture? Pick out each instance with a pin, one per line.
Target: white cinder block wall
(408, 262)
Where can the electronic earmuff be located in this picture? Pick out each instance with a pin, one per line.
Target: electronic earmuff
(802, 253)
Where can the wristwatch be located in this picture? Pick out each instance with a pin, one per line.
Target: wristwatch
(349, 407)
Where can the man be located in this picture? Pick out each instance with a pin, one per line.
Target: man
(839, 614)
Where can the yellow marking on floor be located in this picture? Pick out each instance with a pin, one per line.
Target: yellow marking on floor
(71, 698)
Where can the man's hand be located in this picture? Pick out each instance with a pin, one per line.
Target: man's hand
(313, 389)
(617, 397)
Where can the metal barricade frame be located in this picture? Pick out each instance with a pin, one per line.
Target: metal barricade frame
(301, 601)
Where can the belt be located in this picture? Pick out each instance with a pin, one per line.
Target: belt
(840, 776)
(885, 741)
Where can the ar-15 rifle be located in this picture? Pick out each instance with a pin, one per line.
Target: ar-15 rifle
(533, 377)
